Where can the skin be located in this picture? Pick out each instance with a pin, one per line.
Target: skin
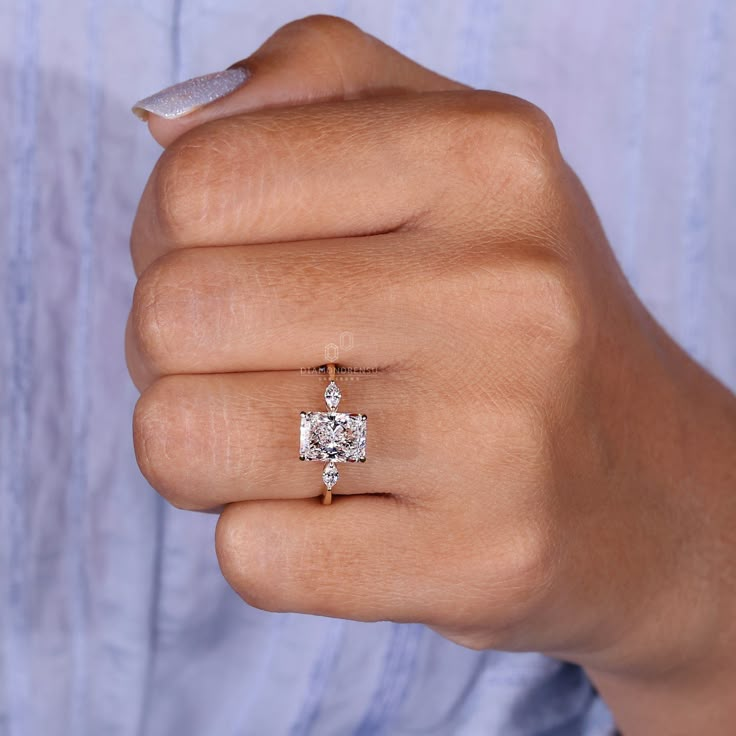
(546, 469)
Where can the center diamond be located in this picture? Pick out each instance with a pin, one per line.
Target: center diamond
(332, 436)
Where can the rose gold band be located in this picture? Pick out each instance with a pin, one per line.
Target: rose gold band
(327, 493)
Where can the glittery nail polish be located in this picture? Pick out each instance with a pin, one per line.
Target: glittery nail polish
(186, 97)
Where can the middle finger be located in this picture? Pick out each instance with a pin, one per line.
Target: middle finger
(280, 306)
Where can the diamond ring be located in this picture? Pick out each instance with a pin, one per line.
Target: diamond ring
(332, 436)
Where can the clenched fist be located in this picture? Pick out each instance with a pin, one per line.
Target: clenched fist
(546, 470)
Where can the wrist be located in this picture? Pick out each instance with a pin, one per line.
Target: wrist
(673, 667)
(699, 700)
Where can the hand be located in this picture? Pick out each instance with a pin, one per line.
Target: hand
(546, 470)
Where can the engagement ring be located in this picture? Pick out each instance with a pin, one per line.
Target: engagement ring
(331, 436)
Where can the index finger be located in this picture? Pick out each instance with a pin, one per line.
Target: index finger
(329, 170)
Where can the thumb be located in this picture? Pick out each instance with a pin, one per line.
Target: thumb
(317, 58)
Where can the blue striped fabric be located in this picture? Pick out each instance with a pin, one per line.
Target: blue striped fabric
(115, 619)
(20, 292)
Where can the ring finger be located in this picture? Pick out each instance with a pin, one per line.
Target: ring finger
(204, 441)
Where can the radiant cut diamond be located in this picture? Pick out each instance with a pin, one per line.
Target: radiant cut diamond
(330, 475)
(332, 395)
(332, 436)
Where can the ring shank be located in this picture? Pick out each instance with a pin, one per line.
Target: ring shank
(327, 493)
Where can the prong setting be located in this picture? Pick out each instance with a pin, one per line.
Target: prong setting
(332, 436)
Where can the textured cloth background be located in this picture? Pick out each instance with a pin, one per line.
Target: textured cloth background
(115, 620)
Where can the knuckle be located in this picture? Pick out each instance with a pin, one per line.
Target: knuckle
(192, 183)
(150, 427)
(156, 311)
(180, 188)
(159, 441)
(506, 139)
(532, 126)
(530, 138)
(543, 302)
(512, 586)
(245, 562)
(530, 558)
(557, 309)
(328, 28)
(523, 557)
(524, 575)
(547, 304)
(144, 318)
(471, 123)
